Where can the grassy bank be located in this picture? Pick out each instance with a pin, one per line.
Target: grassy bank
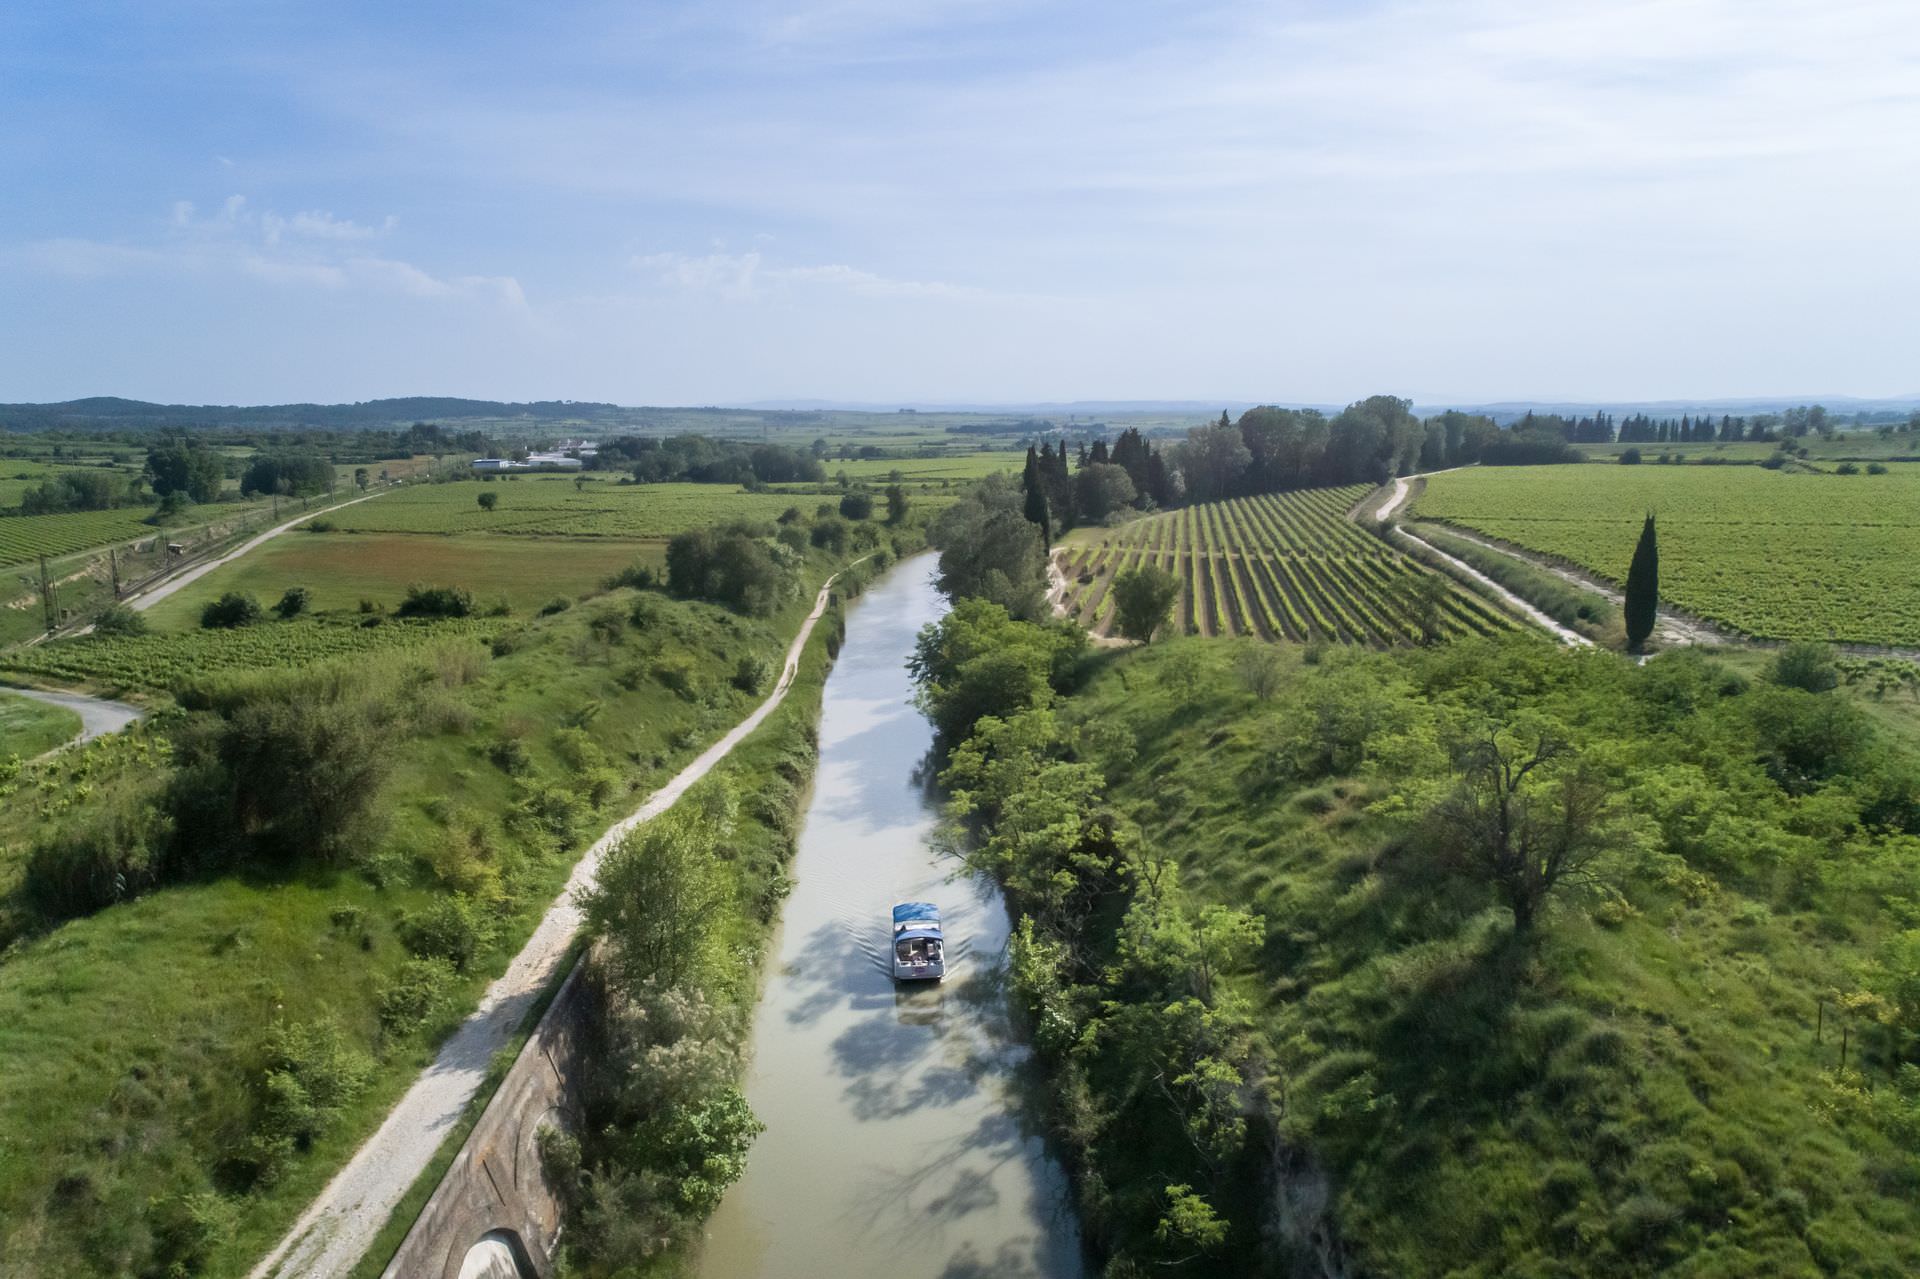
(29, 728)
(1296, 1015)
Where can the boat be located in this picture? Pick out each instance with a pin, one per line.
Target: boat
(919, 950)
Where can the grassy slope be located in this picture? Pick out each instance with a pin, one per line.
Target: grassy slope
(1573, 607)
(131, 1039)
(342, 569)
(1644, 1094)
(29, 728)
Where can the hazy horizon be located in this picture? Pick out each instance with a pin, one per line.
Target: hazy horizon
(960, 201)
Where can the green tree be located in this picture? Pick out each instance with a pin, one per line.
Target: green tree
(360, 478)
(1142, 601)
(1524, 816)
(488, 500)
(1643, 588)
(654, 898)
(294, 602)
(857, 505)
(1102, 488)
(235, 608)
(897, 504)
(1805, 665)
(1038, 514)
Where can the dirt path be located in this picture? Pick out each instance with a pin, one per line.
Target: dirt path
(336, 1229)
(1057, 589)
(98, 716)
(153, 595)
(1401, 489)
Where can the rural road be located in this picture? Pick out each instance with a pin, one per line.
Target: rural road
(98, 716)
(337, 1228)
(148, 598)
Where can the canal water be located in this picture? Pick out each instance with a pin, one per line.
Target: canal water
(899, 1143)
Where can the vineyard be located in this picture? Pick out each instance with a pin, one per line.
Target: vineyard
(26, 537)
(160, 661)
(1776, 554)
(555, 507)
(1277, 566)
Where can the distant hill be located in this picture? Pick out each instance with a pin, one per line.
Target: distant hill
(111, 412)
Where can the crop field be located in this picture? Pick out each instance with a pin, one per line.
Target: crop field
(164, 661)
(25, 537)
(341, 570)
(553, 507)
(1775, 554)
(927, 470)
(1279, 566)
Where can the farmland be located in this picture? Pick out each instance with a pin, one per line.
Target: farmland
(555, 507)
(1279, 566)
(24, 537)
(341, 570)
(1775, 554)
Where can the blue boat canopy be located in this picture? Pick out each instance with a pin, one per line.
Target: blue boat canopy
(916, 912)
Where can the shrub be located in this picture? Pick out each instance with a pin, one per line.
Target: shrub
(454, 929)
(752, 674)
(115, 851)
(1846, 468)
(488, 501)
(437, 601)
(638, 576)
(234, 609)
(857, 506)
(1806, 666)
(1876, 468)
(558, 604)
(418, 991)
(1631, 457)
(118, 619)
(510, 756)
(830, 533)
(322, 525)
(311, 1075)
(676, 671)
(294, 602)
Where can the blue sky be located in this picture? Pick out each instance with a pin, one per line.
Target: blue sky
(891, 200)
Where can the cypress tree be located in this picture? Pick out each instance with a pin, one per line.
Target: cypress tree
(1037, 514)
(1643, 588)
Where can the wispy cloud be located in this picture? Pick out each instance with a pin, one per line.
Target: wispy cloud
(311, 249)
(746, 277)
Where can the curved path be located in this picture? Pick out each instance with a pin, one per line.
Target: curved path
(153, 595)
(336, 1229)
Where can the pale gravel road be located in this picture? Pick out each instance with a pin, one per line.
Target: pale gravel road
(336, 1229)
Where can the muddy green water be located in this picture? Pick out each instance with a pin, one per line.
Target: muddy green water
(899, 1140)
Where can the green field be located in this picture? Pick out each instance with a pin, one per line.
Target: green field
(554, 507)
(342, 569)
(953, 468)
(1279, 566)
(1775, 554)
(29, 728)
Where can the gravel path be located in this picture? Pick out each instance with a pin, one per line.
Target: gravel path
(336, 1229)
(98, 716)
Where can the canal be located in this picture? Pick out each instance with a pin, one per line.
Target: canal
(899, 1143)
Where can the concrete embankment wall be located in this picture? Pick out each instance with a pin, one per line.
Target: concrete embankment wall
(495, 1198)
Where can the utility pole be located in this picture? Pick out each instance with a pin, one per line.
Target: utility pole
(47, 603)
(113, 563)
